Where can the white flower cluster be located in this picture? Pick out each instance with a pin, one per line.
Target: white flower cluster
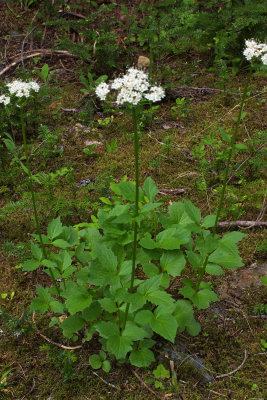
(22, 89)
(132, 87)
(102, 90)
(5, 99)
(254, 49)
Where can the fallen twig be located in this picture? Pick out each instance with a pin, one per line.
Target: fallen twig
(35, 53)
(173, 191)
(30, 391)
(235, 370)
(247, 224)
(144, 384)
(51, 341)
(107, 383)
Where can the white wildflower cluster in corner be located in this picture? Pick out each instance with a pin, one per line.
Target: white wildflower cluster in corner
(22, 89)
(255, 50)
(5, 99)
(132, 88)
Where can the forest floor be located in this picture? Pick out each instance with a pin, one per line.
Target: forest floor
(180, 149)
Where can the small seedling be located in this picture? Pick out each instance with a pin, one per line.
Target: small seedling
(160, 373)
(98, 361)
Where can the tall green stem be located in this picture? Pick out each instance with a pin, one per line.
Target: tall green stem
(233, 140)
(226, 173)
(32, 194)
(136, 151)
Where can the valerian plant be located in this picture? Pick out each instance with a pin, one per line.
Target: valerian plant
(112, 277)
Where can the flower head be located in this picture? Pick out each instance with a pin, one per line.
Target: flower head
(102, 90)
(132, 88)
(22, 89)
(255, 50)
(5, 99)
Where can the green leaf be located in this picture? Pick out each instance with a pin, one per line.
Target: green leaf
(119, 345)
(194, 259)
(127, 190)
(165, 325)
(178, 215)
(149, 207)
(106, 257)
(54, 228)
(36, 251)
(126, 268)
(149, 285)
(167, 240)
(134, 332)
(30, 265)
(57, 307)
(264, 280)
(184, 315)
(106, 366)
(241, 146)
(72, 324)
(226, 255)
(208, 221)
(95, 361)
(93, 312)
(160, 298)
(142, 357)
(107, 329)
(173, 262)
(147, 243)
(41, 304)
(225, 136)
(143, 317)
(161, 372)
(150, 269)
(203, 298)
(192, 211)
(108, 305)
(77, 298)
(234, 237)
(150, 189)
(214, 269)
(61, 243)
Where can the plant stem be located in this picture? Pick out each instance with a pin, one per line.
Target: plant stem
(32, 194)
(136, 151)
(231, 149)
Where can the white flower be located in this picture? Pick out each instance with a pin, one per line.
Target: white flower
(128, 96)
(156, 94)
(255, 50)
(102, 90)
(5, 99)
(117, 83)
(22, 89)
(264, 59)
(132, 88)
(34, 86)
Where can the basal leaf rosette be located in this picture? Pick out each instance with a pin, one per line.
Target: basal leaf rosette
(131, 88)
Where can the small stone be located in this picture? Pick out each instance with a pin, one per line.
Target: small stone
(91, 142)
(143, 62)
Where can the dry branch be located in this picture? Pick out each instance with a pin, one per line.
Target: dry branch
(36, 53)
(235, 370)
(242, 224)
(51, 341)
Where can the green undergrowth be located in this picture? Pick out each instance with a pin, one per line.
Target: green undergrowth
(173, 157)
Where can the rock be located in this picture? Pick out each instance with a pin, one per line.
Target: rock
(240, 280)
(143, 62)
(184, 361)
(84, 182)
